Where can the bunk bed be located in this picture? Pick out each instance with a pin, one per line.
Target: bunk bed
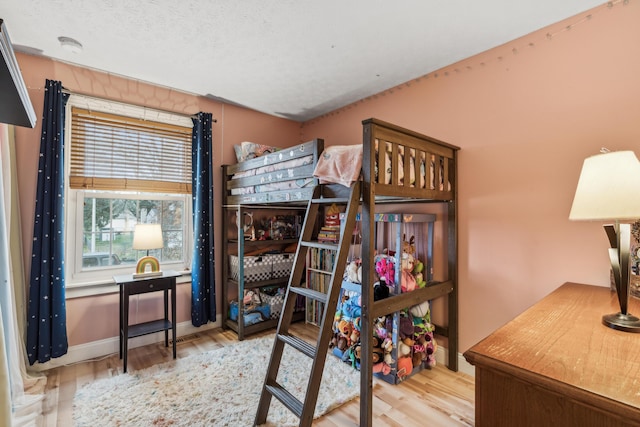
(402, 166)
(257, 259)
(393, 166)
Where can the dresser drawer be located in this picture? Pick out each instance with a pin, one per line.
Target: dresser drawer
(151, 285)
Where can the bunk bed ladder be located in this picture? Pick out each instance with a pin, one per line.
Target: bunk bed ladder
(304, 410)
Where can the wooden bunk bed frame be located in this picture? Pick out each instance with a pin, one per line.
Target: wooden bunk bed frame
(383, 145)
(377, 189)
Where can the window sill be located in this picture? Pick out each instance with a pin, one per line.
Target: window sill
(89, 289)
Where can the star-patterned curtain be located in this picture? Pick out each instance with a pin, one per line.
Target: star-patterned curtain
(46, 317)
(203, 289)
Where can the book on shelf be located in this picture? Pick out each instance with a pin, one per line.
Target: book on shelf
(329, 234)
(320, 264)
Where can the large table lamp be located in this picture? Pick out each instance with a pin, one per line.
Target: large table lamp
(607, 191)
(147, 237)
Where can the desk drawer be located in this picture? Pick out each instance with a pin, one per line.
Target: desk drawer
(151, 285)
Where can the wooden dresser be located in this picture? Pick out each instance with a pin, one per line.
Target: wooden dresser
(557, 365)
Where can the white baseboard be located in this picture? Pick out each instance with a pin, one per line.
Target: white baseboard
(442, 356)
(104, 348)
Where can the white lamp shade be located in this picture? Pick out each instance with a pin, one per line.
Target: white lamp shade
(608, 188)
(147, 236)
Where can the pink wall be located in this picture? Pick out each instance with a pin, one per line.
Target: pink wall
(233, 126)
(525, 115)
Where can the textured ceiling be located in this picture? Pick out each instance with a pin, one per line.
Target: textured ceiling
(292, 58)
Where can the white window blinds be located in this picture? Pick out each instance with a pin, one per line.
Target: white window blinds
(112, 152)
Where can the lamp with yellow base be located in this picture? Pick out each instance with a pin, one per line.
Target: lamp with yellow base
(147, 237)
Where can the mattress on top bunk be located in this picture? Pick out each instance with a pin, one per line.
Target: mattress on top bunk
(283, 176)
(272, 176)
(276, 186)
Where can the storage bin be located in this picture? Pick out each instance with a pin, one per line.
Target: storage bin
(256, 268)
(274, 298)
(264, 267)
(281, 264)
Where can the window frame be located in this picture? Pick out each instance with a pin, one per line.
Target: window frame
(100, 280)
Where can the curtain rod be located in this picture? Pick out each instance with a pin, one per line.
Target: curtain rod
(191, 116)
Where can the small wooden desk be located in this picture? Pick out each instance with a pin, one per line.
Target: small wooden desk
(557, 365)
(130, 286)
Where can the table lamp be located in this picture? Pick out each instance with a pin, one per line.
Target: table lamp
(146, 237)
(607, 191)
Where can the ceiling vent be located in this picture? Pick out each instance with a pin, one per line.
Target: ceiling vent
(15, 105)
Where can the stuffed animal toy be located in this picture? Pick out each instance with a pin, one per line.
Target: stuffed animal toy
(379, 328)
(357, 322)
(417, 357)
(405, 367)
(378, 354)
(406, 327)
(334, 340)
(380, 365)
(420, 311)
(404, 349)
(354, 356)
(425, 343)
(375, 342)
(387, 348)
(341, 342)
(418, 351)
(408, 280)
(344, 329)
(380, 291)
(338, 316)
(428, 343)
(417, 272)
(353, 272)
(251, 300)
(355, 332)
(349, 309)
(405, 332)
(381, 368)
(409, 246)
(407, 262)
(431, 347)
(385, 268)
(338, 343)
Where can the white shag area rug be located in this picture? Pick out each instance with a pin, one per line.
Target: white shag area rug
(217, 388)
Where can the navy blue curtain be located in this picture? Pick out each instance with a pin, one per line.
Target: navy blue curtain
(203, 289)
(46, 317)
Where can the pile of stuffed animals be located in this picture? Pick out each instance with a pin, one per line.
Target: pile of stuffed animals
(411, 268)
(411, 271)
(402, 342)
(414, 345)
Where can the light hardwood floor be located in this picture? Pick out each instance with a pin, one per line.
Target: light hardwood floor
(435, 398)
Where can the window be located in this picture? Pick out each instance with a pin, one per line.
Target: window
(124, 168)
